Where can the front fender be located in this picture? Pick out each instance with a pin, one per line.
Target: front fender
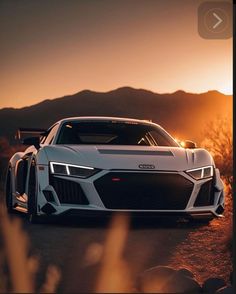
(202, 157)
(15, 158)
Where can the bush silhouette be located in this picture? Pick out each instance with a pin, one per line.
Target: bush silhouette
(219, 142)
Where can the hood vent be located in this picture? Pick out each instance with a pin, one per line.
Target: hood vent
(135, 152)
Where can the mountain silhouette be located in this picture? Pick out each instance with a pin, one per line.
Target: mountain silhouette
(184, 115)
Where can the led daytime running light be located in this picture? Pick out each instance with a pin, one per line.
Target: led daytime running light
(67, 169)
(204, 174)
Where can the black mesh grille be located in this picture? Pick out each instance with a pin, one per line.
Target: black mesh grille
(68, 191)
(49, 196)
(157, 191)
(205, 196)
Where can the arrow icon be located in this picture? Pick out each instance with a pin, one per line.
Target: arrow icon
(218, 22)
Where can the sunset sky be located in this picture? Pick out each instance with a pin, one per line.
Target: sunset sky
(53, 48)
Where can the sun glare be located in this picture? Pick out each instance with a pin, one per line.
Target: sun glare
(226, 89)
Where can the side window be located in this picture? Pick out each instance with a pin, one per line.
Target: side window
(51, 135)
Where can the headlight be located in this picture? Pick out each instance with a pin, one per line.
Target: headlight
(72, 170)
(201, 173)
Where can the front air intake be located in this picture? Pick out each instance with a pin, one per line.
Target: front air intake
(68, 192)
(206, 195)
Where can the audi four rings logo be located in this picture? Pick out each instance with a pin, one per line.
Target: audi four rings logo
(146, 166)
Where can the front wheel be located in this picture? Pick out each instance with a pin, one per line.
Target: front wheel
(8, 191)
(32, 194)
(200, 221)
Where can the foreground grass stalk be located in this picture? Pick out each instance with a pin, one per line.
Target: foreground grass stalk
(114, 275)
(16, 247)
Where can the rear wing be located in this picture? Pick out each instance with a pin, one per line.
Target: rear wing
(31, 131)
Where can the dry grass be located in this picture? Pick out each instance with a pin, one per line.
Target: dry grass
(22, 267)
(16, 248)
(204, 252)
(219, 142)
(114, 275)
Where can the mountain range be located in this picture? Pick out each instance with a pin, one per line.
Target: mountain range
(184, 115)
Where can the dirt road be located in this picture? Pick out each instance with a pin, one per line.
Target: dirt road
(76, 246)
(69, 244)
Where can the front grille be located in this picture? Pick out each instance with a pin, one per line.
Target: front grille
(68, 192)
(206, 194)
(144, 191)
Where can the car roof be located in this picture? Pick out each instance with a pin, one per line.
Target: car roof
(106, 118)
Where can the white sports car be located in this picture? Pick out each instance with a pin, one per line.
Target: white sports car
(98, 165)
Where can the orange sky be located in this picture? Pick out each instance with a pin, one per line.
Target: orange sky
(53, 48)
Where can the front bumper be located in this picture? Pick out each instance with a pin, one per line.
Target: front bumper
(141, 214)
(86, 198)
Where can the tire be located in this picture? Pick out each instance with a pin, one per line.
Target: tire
(8, 192)
(32, 195)
(200, 221)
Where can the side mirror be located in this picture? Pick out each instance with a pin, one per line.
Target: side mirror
(188, 144)
(31, 141)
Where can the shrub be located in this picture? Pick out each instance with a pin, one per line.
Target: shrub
(219, 142)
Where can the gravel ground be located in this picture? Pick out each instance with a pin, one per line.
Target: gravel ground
(76, 246)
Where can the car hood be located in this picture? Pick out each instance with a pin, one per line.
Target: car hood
(129, 157)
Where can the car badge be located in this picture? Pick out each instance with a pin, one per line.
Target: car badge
(146, 166)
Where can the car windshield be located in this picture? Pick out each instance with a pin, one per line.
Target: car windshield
(113, 133)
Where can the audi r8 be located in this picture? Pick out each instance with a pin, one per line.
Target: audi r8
(100, 165)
